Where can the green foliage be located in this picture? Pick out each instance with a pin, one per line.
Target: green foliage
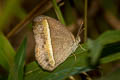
(96, 46)
(7, 53)
(7, 12)
(17, 70)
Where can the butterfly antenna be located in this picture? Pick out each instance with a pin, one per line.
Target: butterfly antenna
(80, 30)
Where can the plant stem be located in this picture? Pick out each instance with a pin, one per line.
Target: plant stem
(85, 20)
(58, 12)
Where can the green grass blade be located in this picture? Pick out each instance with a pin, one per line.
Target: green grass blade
(85, 21)
(110, 58)
(17, 70)
(7, 53)
(58, 12)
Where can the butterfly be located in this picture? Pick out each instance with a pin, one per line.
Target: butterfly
(54, 43)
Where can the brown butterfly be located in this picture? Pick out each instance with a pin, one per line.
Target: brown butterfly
(54, 43)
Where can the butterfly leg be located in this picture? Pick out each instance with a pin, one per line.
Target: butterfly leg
(82, 47)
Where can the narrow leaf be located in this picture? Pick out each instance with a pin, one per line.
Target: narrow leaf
(17, 70)
(58, 12)
(7, 53)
